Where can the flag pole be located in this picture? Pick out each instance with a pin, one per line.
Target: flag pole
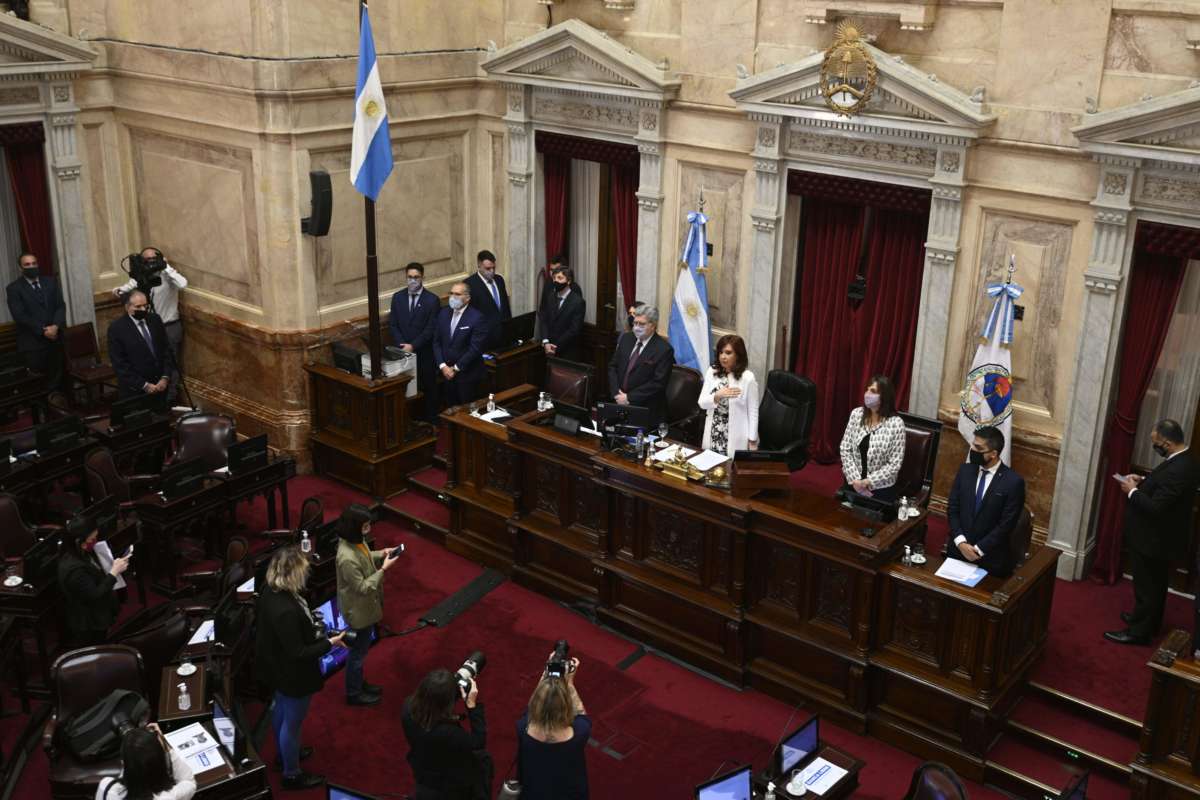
(374, 335)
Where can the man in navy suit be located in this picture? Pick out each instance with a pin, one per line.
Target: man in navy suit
(412, 321)
(984, 506)
(35, 303)
(489, 296)
(139, 349)
(561, 314)
(641, 365)
(459, 339)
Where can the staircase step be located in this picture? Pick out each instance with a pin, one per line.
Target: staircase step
(1015, 766)
(1112, 720)
(1065, 735)
(430, 482)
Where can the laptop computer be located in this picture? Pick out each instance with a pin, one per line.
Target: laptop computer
(182, 479)
(795, 751)
(730, 786)
(248, 454)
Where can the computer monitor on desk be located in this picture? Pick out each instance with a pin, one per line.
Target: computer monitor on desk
(613, 415)
(58, 435)
(570, 418)
(248, 454)
(730, 786)
(182, 479)
(869, 507)
(795, 751)
(514, 332)
(129, 411)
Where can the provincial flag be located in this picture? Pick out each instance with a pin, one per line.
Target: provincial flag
(987, 395)
(371, 148)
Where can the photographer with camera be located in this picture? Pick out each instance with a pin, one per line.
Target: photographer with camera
(448, 763)
(89, 598)
(553, 734)
(360, 573)
(287, 650)
(150, 273)
(150, 770)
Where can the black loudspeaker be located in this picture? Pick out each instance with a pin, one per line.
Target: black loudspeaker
(322, 205)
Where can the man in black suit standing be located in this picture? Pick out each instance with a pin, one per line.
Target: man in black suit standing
(139, 349)
(489, 296)
(641, 365)
(35, 303)
(412, 320)
(984, 506)
(561, 315)
(459, 338)
(1158, 524)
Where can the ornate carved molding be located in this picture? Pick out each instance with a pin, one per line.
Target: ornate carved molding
(801, 142)
(1171, 191)
(19, 95)
(1115, 182)
(67, 173)
(914, 15)
(1107, 284)
(595, 114)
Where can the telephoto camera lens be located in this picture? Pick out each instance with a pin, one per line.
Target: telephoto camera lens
(559, 663)
(348, 637)
(470, 670)
(121, 723)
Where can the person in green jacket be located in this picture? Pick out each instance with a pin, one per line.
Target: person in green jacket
(360, 596)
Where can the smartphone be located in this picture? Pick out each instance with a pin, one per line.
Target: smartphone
(396, 551)
(128, 552)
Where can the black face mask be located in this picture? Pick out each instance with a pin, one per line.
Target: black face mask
(1161, 450)
(976, 458)
(629, 321)
(140, 314)
(29, 272)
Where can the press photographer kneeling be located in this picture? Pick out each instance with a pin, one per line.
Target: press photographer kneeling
(448, 763)
(553, 734)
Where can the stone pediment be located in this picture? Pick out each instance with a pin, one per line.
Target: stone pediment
(906, 100)
(574, 56)
(1164, 129)
(28, 49)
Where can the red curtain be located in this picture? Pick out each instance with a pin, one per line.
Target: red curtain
(27, 174)
(1156, 280)
(556, 172)
(840, 345)
(625, 217)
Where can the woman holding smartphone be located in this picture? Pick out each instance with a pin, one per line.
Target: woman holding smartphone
(360, 596)
(88, 591)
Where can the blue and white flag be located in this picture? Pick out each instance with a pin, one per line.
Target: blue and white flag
(371, 151)
(689, 332)
(987, 395)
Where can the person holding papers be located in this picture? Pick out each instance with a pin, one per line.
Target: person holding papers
(150, 768)
(730, 397)
(984, 505)
(88, 590)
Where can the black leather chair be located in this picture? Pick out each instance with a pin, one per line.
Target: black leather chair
(785, 416)
(16, 536)
(1022, 537)
(921, 438)
(934, 781)
(312, 514)
(685, 418)
(157, 633)
(204, 436)
(105, 480)
(569, 381)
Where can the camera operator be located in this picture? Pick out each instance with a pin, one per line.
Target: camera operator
(360, 596)
(553, 734)
(287, 649)
(448, 763)
(150, 770)
(89, 599)
(164, 298)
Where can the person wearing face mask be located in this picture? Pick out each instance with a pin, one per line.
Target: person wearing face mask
(1158, 528)
(35, 303)
(490, 297)
(414, 313)
(360, 572)
(89, 599)
(139, 349)
(641, 365)
(459, 338)
(629, 318)
(164, 298)
(985, 505)
(872, 446)
(561, 314)
(730, 396)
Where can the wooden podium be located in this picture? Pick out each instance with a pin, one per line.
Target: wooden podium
(362, 433)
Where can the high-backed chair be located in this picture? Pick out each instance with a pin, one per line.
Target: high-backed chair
(105, 480)
(86, 373)
(209, 586)
(312, 514)
(921, 438)
(685, 418)
(157, 633)
(1021, 538)
(16, 536)
(78, 680)
(206, 437)
(569, 381)
(934, 781)
(785, 416)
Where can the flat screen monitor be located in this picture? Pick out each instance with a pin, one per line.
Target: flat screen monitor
(879, 510)
(248, 454)
(336, 792)
(324, 538)
(229, 619)
(570, 418)
(122, 409)
(40, 562)
(184, 478)
(515, 331)
(231, 739)
(332, 661)
(798, 748)
(102, 516)
(730, 786)
(759, 456)
(630, 416)
(1076, 788)
(57, 435)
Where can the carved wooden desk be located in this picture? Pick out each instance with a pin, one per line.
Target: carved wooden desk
(1167, 765)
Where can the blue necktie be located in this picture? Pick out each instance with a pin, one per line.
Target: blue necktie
(979, 489)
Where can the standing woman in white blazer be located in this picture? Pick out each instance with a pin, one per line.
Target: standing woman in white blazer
(730, 396)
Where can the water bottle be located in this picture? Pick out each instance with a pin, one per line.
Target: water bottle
(907, 560)
(903, 513)
(491, 406)
(640, 444)
(185, 699)
(305, 544)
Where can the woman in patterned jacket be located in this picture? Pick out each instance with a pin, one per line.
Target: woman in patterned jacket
(873, 445)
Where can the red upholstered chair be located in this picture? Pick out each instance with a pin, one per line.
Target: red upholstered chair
(209, 586)
(569, 381)
(16, 536)
(206, 437)
(86, 374)
(921, 438)
(105, 480)
(312, 514)
(78, 680)
(157, 633)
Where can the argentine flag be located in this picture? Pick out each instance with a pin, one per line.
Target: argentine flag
(689, 332)
(371, 151)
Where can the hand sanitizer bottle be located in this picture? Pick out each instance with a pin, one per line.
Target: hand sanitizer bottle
(185, 699)
(305, 543)
(491, 406)
(770, 795)
(903, 513)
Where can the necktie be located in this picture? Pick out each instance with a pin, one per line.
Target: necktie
(454, 321)
(983, 473)
(146, 336)
(495, 294)
(633, 358)
(37, 290)
(412, 303)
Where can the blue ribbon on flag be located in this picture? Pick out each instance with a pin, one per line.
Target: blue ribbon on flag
(1003, 312)
(696, 236)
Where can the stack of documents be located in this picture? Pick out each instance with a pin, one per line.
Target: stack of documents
(707, 460)
(197, 747)
(962, 572)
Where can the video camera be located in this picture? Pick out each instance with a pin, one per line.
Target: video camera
(470, 670)
(146, 271)
(559, 664)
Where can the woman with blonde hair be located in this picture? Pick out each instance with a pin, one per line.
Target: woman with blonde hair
(552, 739)
(288, 652)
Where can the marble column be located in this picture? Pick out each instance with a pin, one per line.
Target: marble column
(522, 267)
(66, 200)
(770, 189)
(650, 197)
(1075, 488)
(937, 282)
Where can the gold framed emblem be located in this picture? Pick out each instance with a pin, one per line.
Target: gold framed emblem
(848, 73)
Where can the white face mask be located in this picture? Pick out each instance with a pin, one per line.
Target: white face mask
(456, 303)
(639, 331)
(414, 284)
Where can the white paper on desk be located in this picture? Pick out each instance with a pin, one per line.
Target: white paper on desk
(222, 471)
(592, 431)
(668, 453)
(820, 776)
(191, 740)
(492, 416)
(248, 586)
(105, 557)
(707, 460)
(952, 569)
(204, 633)
(202, 762)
